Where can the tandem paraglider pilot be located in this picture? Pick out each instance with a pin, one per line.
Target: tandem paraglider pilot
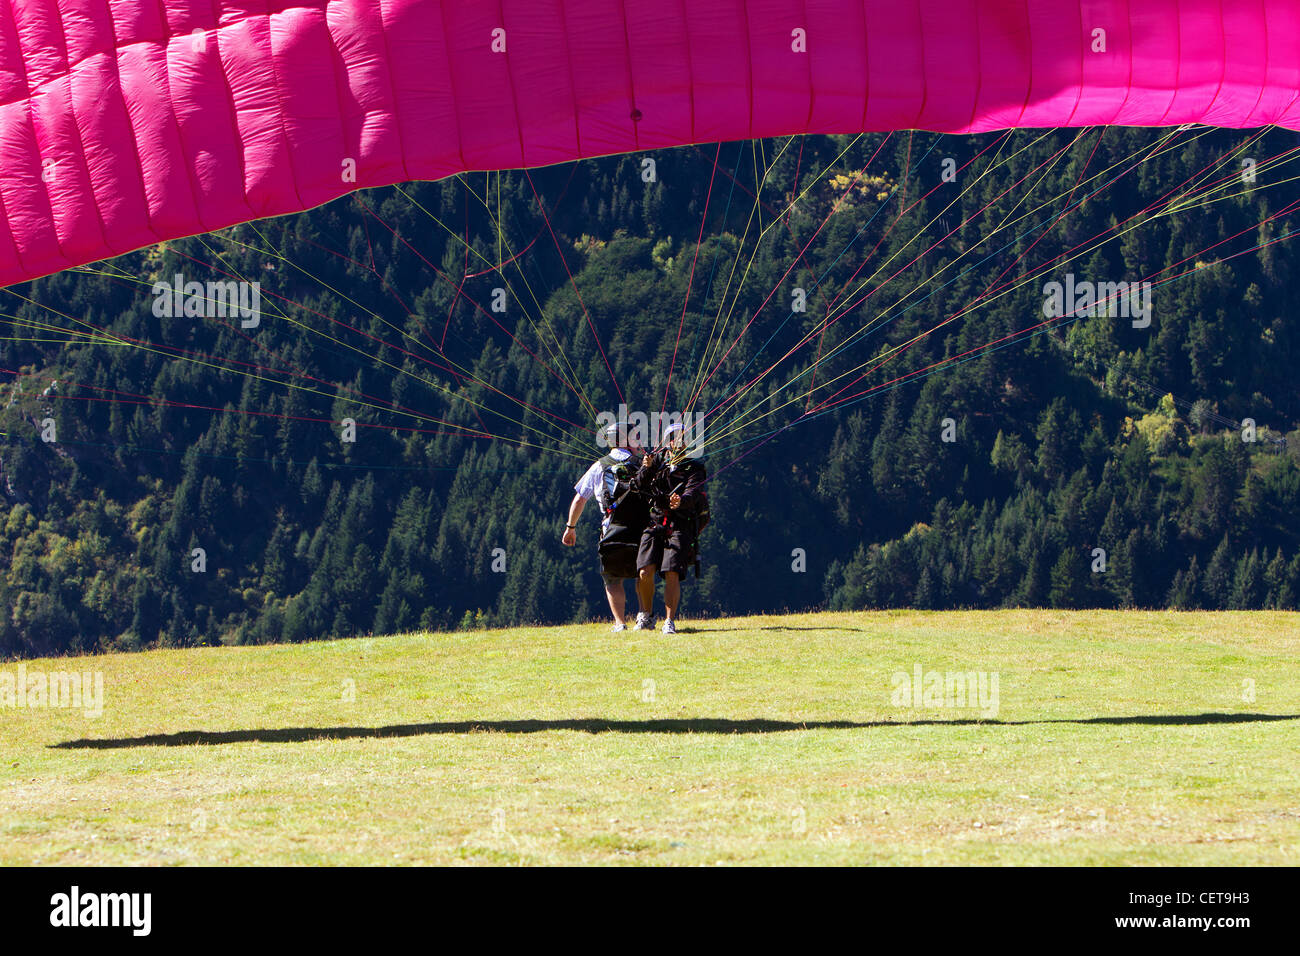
(674, 487)
(624, 514)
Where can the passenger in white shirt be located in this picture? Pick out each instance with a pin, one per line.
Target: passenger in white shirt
(623, 516)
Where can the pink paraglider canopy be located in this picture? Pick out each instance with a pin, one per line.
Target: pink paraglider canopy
(127, 123)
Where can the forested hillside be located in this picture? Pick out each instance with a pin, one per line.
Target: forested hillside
(890, 417)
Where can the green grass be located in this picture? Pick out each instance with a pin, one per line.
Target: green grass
(768, 740)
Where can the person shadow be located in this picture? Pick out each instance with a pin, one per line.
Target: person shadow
(597, 725)
(690, 629)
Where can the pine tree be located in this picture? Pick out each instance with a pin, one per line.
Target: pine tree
(1247, 583)
(1184, 593)
(276, 558)
(885, 475)
(1275, 581)
(1010, 455)
(1035, 587)
(926, 591)
(1217, 583)
(1069, 580)
(1053, 452)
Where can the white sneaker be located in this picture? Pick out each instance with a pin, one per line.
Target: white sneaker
(618, 626)
(669, 627)
(644, 621)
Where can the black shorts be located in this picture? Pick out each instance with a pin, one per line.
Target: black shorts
(667, 550)
(618, 550)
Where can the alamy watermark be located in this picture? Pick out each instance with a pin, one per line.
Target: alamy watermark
(1127, 300)
(75, 908)
(946, 690)
(62, 689)
(208, 300)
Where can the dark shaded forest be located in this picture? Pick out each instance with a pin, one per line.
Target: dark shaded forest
(183, 481)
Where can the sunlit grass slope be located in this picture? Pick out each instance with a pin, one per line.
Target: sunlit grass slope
(1113, 737)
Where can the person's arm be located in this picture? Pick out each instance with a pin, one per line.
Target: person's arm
(570, 537)
(646, 471)
(687, 499)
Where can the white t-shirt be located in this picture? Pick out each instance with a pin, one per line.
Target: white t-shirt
(589, 483)
(596, 476)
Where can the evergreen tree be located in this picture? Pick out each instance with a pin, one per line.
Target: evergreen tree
(1247, 583)
(1218, 580)
(1184, 593)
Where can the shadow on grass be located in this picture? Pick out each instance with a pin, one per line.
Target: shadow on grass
(699, 725)
(777, 627)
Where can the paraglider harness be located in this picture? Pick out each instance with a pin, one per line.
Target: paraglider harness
(658, 483)
(625, 515)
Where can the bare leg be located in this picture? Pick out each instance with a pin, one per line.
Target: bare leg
(672, 593)
(645, 588)
(617, 599)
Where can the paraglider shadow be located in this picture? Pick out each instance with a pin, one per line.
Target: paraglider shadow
(594, 725)
(773, 627)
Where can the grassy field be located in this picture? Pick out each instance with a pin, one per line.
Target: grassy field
(1113, 738)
